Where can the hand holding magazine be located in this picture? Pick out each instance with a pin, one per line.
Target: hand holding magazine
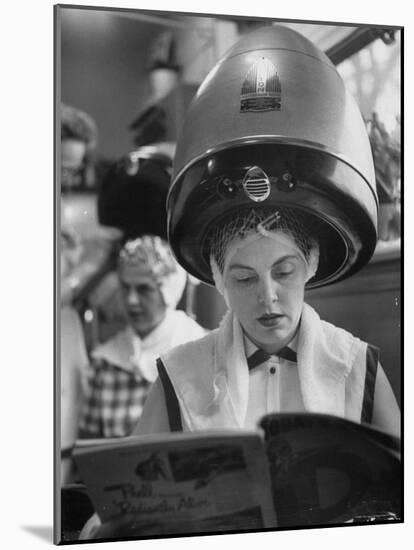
(295, 470)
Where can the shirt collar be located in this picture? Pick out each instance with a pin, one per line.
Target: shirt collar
(250, 347)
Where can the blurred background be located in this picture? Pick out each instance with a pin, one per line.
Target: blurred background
(134, 74)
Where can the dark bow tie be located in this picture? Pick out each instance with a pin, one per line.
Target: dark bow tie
(261, 356)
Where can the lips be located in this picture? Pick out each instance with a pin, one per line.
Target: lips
(270, 320)
(135, 314)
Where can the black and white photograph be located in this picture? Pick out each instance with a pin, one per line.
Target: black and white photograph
(228, 196)
(206, 283)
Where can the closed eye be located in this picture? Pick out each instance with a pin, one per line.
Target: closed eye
(284, 270)
(283, 273)
(246, 280)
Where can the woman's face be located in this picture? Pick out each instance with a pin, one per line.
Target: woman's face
(143, 300)
(265, 281)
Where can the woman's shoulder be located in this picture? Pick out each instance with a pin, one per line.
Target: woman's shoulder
(334, 341)
(116, 350)
(330, 331)
(335, 331)
(351, 348)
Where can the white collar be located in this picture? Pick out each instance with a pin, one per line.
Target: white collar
(127, 350)
(250, 347)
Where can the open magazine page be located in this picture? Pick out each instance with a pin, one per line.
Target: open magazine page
(328, 470)
(211, 481)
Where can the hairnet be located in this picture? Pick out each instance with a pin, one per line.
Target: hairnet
(249, 225)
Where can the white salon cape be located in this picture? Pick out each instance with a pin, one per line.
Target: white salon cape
(215, 389)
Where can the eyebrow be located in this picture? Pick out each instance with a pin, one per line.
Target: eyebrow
(282, 259)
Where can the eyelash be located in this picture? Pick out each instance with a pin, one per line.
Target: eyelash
(277, 274)
(284, 273)
(245, 280)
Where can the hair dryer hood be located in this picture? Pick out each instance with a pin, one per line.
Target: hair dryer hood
(273, 124)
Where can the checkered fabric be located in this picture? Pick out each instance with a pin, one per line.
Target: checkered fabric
(114, 403)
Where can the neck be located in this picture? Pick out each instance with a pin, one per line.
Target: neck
(144, 332)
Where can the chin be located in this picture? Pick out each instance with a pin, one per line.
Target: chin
(139, 327)
(273, 335)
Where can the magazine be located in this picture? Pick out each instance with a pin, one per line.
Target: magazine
(295, 470)
(219, 478)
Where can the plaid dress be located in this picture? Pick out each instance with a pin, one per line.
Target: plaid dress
(115, 401)
(122, 371)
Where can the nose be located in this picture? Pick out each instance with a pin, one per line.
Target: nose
(133, 298)
(268, 293)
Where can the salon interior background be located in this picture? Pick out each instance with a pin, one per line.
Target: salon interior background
(135, 72)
